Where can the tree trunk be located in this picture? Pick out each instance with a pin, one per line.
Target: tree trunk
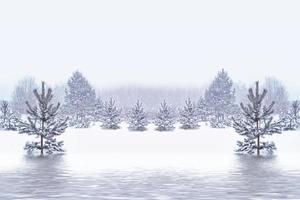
(42, 138)
(42, 145)
(258, 146)
(258, 139)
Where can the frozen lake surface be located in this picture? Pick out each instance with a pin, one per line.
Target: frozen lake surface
(187, 165)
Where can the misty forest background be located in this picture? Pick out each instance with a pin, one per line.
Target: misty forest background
(216, 103)
(151, 97)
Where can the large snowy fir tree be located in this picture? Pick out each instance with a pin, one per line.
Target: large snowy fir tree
(42, 122)
(8, 119)
(165, 118)
(111, 115)
(137, 118)
(80, 100)
(220, 98)
(256, 124)
(292, 117)
(188, 115)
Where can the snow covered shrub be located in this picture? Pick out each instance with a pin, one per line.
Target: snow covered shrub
(80, 101)
(165, 118)
(111, 115)
(42, 122)
(98, 110)
(218, 121)
(80, 120)
(137, 118)
(202, 110)
(292, 118)
(257, 122)
(8, 119)
(188, 116)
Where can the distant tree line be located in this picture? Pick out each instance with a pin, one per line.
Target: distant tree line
(215, 106)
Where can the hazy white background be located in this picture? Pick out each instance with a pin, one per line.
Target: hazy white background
(157, 42)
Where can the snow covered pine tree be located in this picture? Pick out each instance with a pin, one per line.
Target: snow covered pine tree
(8, 119)
(111, 115)
(165, 118)
(188, 116)
(220, 100)
(256, 124)
(80, 101)
(98, 110)
(202, 110)
(292, 118)
(137, 118)
(42, 122)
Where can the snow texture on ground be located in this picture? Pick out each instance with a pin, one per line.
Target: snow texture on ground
(119, 164)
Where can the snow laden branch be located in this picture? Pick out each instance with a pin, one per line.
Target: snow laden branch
(42, 122)
(257, 122)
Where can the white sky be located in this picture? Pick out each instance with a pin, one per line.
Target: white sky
(157, 42)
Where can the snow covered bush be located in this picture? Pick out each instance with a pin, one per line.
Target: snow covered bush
(165, 118)
(292, 118)
(137, 118)
(98, 110)
(8, 119)
(202, 110)
(42, 122)
(111, 115)
(80, 101)
(256, 124)
(220, 99)
(188, 116)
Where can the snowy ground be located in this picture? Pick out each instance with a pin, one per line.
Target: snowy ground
(109, 164)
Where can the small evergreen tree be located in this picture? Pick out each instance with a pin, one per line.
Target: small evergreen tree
(202, 110)
(137, 118)
(43, 123)
(80, 100)
(165, 118)
(256, 124)
(111, 115)
(292, 118)
(188, 116)
(220, 99)
(98, 110)
(8, 119)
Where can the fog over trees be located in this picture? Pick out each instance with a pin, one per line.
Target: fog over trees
(215, 102)
(22, 93)
(278, 93)
(151, 97)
